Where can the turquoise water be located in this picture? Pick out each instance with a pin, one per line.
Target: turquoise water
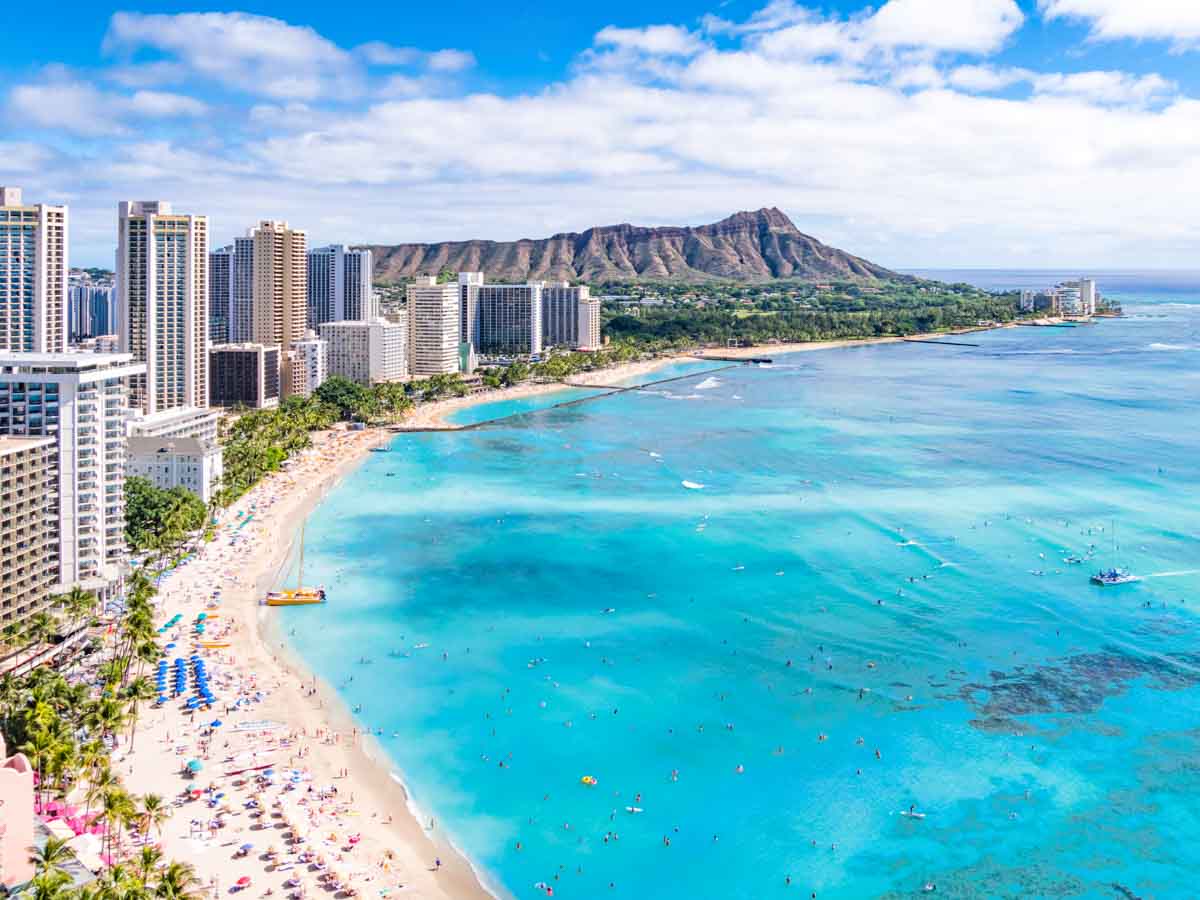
(502, 409)
(856, 575)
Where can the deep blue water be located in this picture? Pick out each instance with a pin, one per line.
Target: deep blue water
(857, 575)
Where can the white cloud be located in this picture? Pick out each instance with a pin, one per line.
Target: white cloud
(1105, 88)
(973, 26)
(242, 51)
(62, 103)
(159, 104)
(657, 40)
(380, 54)
(888, 148)
(450, 60)
(986, 78)
(1177, 21)
(20, 157)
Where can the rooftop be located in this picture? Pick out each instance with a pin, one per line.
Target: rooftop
(18, 444)
(139, 446)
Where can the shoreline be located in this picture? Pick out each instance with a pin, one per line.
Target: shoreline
(309, 725)
(435, 416)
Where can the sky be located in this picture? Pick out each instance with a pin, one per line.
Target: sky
(916, 133)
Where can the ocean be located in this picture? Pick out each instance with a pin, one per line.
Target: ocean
(860, 607)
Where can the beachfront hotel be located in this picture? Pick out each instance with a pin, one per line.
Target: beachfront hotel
(433, 327)
(28, 526)
(167, 463)
(280, 299)
(244, 375)
(570, 317)
(33, 275)
(82, 401)
(162, 277)
(510, 318)
(367, 352)
(340, 285)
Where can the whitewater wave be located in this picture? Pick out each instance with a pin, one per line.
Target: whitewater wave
(1170, 347)
(708, 384)
(692, 485)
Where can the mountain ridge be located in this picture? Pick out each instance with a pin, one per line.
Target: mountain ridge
(755, 246)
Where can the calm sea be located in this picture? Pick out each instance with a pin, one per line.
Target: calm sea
(866, 609)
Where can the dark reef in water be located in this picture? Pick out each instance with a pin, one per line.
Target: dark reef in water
(1079, 684)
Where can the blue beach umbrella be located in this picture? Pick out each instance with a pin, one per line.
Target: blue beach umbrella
(195, 765)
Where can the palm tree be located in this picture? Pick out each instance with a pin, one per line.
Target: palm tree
(154, 813)
(77, 604)
(178, 881)
(51, 857)
(118, 812)
(100, 782)
(40, 749)
(147, 863)
(40, 628)
(138, 690)
(50, 886)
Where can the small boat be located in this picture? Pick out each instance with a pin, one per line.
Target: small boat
(1073, 560)
(1114, 576)
(634, 810)
(299, 595)
(1111, 577)
(912, 814)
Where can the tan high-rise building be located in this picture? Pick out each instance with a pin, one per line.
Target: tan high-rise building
(280, 304)
(28, 526)
(433, 327)
(162, 277)
(33, 275)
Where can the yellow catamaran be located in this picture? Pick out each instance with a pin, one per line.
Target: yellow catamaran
(300, 595)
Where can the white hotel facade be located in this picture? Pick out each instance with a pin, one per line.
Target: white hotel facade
(81, 400)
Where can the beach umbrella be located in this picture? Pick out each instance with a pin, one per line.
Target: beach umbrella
(194, 765)
(247, 846)
(244, 881)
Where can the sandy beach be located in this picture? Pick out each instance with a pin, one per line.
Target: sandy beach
(355, 830)
(436, 415)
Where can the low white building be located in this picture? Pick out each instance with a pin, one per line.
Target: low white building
(310, 364)
(181, 422)
(367, 352)
(177, 462)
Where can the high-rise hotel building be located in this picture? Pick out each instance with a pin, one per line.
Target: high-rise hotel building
(570, 317)
(162, 275)
(510, 318)
(220, 294)
(81, 400)
(33, 275)
(28, 526)
(280, 305)
(340, 285)
(433, 327)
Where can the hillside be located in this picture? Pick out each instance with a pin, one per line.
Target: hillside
(747, 246)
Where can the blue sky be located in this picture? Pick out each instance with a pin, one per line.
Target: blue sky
(914, 132)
